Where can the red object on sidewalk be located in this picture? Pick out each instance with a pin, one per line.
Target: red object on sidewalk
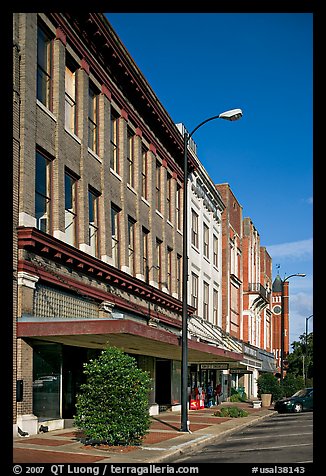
(194, 404)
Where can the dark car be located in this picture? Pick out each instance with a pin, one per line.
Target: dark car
(302, 400)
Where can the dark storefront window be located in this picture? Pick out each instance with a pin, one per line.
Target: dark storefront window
(47, 380)
(57, 376)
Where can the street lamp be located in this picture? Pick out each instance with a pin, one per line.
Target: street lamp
(301, 275)
(231, 115)
(305, 366)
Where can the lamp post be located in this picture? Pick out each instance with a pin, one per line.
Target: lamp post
(305, 366)
(302, 275)
(231, 115)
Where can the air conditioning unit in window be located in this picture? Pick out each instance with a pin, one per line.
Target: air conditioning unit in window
(42, 223)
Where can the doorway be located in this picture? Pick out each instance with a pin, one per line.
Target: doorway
(163, 383)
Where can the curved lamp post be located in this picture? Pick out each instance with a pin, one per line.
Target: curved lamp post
(301, 275)
(231, 115)
(305, 366)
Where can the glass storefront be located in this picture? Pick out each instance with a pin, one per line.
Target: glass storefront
(47, 380)
(57, 376)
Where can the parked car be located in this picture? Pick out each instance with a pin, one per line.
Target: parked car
(302, 400)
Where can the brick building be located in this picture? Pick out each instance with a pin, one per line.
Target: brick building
(246, 296)
(98, 192)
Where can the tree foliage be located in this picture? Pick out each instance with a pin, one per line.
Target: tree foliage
(113, 405)
(301, 358)
(268, 383)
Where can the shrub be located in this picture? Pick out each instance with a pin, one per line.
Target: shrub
(232, 412)
(112, 406)
(291, 384)
(268, 383)
(237, 397)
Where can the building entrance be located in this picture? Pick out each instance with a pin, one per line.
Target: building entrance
(163, 382)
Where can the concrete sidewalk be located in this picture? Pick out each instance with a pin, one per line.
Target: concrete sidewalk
(163, 440)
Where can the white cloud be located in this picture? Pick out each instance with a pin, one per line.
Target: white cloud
(293, 250)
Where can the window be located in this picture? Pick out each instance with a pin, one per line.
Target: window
(194, 290)
(169, 269)
(70, 209)
(115, 234)
(44, 67)
(93, 232)
(93, 119)
(43, 193)
(145, 269)
(178, 207)
(169, 196)
(179, 276)
(159, 262)
(114, 158)
(205, 300)
(144, 173)
(194, 228)
(131, 244)
(158, 186)
(130, 157)
(70, 99)
(215, 250)
(206, 240)
(215, 307)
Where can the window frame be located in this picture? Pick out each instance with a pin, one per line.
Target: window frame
(114, 138)
(93, 212)
(194, 289)
(206, 240)
(93, 116)
(158, 197)
(73, 211)
(115, 237)
(205, 300)
(144, 184)
(194, 228)
(131, 244)
(44, 75)
(215, 250)
(44, 193)
(71, 101)
(131, 157)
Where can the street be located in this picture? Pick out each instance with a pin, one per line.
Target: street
(283, 438)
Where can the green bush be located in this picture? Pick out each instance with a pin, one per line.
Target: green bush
(237, 397)
(268, 383)
(231, 412)
(113, 406)
(291, 384)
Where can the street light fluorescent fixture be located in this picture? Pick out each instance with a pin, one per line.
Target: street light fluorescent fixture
(232, 115)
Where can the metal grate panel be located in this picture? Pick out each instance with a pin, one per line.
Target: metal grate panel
(54, 303)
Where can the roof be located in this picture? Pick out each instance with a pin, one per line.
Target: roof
(277, 284)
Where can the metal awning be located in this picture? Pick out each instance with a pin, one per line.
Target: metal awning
(132, 336)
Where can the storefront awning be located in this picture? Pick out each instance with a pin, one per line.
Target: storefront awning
(132, 336)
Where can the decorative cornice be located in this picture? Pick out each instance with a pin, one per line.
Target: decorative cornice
(51, 248)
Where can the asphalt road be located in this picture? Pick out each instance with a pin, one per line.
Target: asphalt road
(282, 438)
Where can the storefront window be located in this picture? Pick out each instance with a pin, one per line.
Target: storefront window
(46, 380)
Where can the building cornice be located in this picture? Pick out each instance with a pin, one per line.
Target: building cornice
(51, 248)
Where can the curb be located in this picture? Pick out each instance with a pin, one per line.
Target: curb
(189, 446)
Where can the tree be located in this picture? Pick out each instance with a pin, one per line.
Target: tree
(301, 358)
(113, 405)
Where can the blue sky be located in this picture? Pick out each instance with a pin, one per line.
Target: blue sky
(201, 64)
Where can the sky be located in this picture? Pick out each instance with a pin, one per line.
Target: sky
(201, 64)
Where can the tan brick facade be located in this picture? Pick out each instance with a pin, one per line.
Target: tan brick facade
(121, 118)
